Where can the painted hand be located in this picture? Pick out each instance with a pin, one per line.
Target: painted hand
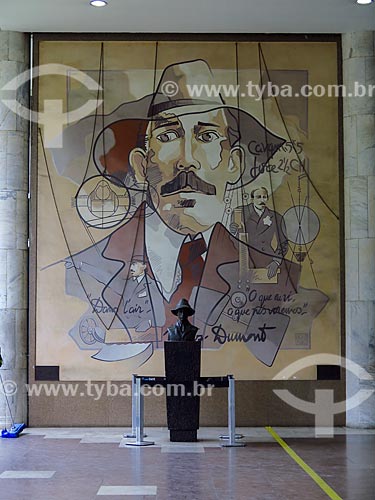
(272, 269)
(233, 228)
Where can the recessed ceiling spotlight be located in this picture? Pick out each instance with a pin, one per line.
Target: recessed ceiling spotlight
(98, 3)
(364, 2)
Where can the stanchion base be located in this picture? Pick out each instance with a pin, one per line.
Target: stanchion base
(237, 436)
(234, 445)
(140, 443)
(132, 436)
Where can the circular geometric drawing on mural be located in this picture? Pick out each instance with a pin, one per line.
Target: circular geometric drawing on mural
(102, 204)
(90, 332)
(302, 224)
(238, 299)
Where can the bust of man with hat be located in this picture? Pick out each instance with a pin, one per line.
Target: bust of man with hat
(183, 329)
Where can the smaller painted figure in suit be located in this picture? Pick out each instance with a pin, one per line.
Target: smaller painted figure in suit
(142, 300)
(265, 230)
(183, 329)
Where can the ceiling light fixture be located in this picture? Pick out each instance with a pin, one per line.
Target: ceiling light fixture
(364, 2)
(98, 3)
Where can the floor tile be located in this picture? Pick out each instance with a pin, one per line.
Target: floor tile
(127, 490)
(100, 439)
(182, 449)
(27, 474)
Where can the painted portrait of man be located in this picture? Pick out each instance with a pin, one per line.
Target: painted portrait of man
(182, 159)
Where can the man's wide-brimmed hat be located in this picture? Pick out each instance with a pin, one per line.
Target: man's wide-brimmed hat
(183, 304)
(126, 126)
(187, 83)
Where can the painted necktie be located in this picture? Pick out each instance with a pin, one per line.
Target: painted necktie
(191, 263)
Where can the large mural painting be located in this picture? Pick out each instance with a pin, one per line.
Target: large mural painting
(205, 174)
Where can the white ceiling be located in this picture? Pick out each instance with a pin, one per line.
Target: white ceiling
(189, 16)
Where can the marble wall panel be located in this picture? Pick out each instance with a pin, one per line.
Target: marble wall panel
(350, 146)
(366, 268)
(358, 207)
(366, 144)
(351, 270)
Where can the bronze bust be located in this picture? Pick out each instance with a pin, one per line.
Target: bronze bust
(183, 329)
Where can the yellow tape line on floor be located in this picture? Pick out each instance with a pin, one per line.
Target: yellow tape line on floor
(319, 481)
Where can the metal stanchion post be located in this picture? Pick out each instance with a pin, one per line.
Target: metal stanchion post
(226, 436)
(232, 416)
(139, 415)
(134, 404)
(132, 434)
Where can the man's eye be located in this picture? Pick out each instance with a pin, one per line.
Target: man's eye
(208, 136)
(171, 135)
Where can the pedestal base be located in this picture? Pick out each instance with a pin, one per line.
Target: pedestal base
(183, 436)
(182, 370)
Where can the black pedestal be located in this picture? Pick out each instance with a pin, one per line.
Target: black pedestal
(182, 372)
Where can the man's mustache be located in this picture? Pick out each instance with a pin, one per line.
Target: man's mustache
(187, 179)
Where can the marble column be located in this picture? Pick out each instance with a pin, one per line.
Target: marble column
(14, 59)
(359, 179)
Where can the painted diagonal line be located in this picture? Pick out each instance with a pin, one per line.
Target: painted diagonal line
(319, 481)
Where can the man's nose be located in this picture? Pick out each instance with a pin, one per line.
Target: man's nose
(187, 159)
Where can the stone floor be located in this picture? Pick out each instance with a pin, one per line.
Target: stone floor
(80, 464)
